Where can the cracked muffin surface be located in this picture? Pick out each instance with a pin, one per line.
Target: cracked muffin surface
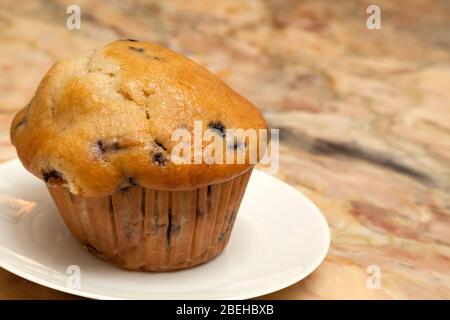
(103, 120)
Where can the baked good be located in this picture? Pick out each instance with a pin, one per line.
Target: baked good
(99, 132)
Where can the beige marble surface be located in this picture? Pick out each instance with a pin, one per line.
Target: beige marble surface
(364, 115)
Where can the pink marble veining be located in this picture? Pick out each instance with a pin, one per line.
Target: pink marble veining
(364, 115)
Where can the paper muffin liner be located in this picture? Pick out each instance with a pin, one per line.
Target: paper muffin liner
(154, 230)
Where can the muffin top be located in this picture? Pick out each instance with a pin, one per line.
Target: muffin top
(104, 120)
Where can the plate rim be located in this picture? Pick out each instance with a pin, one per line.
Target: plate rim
(267, 290)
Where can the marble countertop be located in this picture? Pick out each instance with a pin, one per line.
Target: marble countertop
(364, 116)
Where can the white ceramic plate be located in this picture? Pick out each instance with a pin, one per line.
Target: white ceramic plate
(279, 238)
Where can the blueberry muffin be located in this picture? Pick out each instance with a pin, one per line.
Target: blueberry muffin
(99, 132)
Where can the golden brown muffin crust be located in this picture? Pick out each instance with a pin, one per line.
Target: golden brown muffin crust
(103, 120)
